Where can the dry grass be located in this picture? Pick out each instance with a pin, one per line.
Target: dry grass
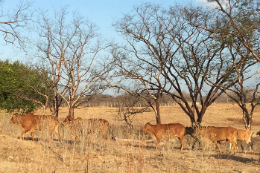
(241, 122)
(129, 152)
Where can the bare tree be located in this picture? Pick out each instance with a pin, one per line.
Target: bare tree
(127, 109)
(72, 56)
(239, 92)
(242, 97)
(199, 57)
(141, 63)
(166, 53)
(14, 23)
(237, 24)
(139, 91)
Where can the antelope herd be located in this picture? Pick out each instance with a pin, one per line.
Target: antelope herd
(80, 127)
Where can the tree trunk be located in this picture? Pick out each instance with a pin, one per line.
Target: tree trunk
(200, 115)
(56, 112)
(56, 104)
(158, 116)
(192, 116)
(199, 120)
(250, 122)
(71, 111)
(247, 120)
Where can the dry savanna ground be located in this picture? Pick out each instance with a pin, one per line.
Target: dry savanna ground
(129, 152)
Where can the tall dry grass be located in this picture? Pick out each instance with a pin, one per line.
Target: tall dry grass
(129, 152)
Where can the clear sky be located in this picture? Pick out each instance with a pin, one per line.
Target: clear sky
(100, 12)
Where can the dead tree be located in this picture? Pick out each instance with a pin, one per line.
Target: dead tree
(71, 53)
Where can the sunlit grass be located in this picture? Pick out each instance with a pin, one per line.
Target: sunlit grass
(130, 152)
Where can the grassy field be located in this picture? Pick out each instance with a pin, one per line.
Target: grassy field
(129, 152)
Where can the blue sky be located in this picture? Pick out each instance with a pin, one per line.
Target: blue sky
(104, 12)
(100, 12)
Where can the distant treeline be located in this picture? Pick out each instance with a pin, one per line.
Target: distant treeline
(128, 100)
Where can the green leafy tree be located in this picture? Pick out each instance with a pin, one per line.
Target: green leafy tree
(15, 87)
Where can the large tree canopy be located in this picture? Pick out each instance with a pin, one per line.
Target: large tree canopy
(237, 25)
(166, 52)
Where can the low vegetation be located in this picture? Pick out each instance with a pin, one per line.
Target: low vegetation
(127, 150)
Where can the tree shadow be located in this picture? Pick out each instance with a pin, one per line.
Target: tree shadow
(148, 147)
(235, 158)
(47, 140)
(28, 138)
